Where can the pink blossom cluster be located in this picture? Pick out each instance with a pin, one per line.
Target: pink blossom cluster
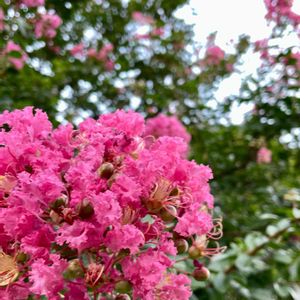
(103, 55)
(2, 16)
(33, 3)
(153, 31)
(141, 18)
(15, 55)
(163, 125)
(46, 26)
(214, 55)
(264, 156)
(91, 212)
(280, 11)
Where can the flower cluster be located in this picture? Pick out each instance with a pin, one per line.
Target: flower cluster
(46, 26)
(280, 11)
(103, 55)
(264, 156)
(15, 55)
(92, 212)
(33, 3)
(163, 125)
(146, 21)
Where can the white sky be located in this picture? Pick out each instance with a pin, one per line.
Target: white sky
(230, 18)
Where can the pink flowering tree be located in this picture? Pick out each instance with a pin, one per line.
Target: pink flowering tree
(89, 56)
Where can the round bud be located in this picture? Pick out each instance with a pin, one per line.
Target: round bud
(122, 297)
(201, 274)
(169, 213)
(85, 209)
(106, 170)
(194, 252)
(123, 287)
(21, 257)
(182, 246)
(74, 270)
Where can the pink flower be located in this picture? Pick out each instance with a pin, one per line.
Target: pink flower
(158, 31)
(214, 55)
(175, 287)
(109, 65)
(164, 125)
(33, 3)
(10, 50)
(125, 237)
(264, 156)
(47, 25)
(139, 17)
(98, 198)
(46, 277)
(280, 11)
(194, 222)
(77, 50)
(2, 16)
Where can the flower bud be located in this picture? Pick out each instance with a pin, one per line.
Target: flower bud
(85, 209)
(106, 170)
(194, 252)
(74, 270)
(22, 257)
(201, 274)
(56, 219)
(182, 246)
(60, 202)
(169, 213)
(123, 287)
(122, 297)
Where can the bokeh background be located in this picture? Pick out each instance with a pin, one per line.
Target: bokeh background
(228, 70)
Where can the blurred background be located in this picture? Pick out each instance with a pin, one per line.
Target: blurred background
(228, 70)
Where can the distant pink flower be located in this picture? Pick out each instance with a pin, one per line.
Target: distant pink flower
(104, 51)
(280, 11)
(46, 25)
(2, 16)
(17, 62)
(109, 65)
(77, 50)
(261, 44)
(92, 52)
(33, 3)
(214, 55)
(145, 36)
(139, 17)
(158, 31)
(164, 125)
(229, 67)
(264, 156)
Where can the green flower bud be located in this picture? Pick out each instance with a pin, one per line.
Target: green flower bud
(201, 274)
(85, 209)
(106, 170)
(194, 252)
(123, 287)
(182, 246)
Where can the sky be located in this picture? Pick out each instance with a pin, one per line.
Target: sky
(230, 19)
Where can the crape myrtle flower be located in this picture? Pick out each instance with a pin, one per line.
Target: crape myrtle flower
(95, 211)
